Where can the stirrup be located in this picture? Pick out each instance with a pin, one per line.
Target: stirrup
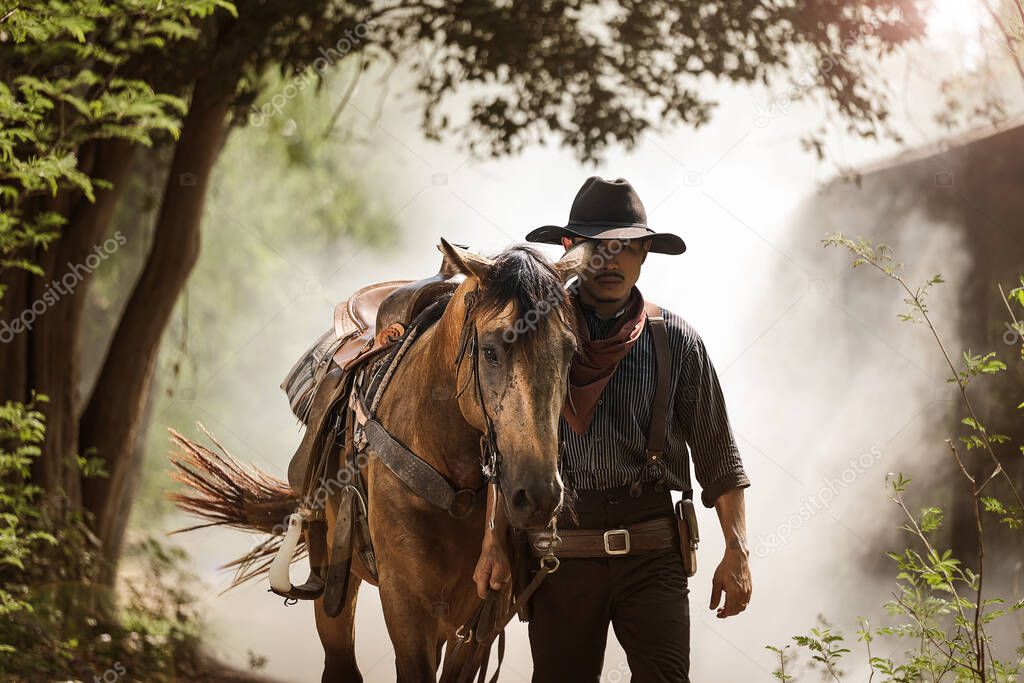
(280, 578)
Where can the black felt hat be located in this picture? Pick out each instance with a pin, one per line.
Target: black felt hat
(605, 210)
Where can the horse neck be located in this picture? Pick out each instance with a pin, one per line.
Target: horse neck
(421, 409)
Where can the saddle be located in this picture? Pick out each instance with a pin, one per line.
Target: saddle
(318, 386)
(364, 325)
(379, 313)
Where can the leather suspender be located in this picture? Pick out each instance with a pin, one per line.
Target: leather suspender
(658, 428)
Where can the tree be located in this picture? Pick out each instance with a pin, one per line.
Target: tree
(93, 84)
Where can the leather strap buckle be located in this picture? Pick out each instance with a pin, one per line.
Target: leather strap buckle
(607, 542)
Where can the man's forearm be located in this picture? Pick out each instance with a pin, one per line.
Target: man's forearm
(732, 517)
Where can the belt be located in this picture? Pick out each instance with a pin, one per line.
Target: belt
(635, 539)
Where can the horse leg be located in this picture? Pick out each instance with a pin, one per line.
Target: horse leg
(414, 635)
(338, 636)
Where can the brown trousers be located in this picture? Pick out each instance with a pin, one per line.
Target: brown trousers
(644, 597)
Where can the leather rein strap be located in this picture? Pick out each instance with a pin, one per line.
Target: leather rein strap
(475, 629)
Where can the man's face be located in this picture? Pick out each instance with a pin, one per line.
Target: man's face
(614, 269)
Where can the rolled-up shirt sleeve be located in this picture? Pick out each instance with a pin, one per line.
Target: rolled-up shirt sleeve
(703, 420)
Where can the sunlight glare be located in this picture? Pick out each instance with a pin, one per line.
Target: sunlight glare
(958, 24)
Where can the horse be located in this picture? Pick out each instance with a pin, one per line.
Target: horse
(440, 401)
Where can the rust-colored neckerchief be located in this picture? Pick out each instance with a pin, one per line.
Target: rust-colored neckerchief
(596, 360)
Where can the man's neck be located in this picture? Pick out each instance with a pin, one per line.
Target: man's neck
(604, 309)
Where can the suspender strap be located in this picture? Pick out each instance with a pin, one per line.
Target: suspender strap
(656, 432)
(658, 428)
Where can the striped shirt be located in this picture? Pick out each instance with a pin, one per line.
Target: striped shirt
(613, 450)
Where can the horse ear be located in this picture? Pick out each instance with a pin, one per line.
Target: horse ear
(460, 260)
(575, 260)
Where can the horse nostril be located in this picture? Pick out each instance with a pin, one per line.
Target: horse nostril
(535, 501)
(521, 500)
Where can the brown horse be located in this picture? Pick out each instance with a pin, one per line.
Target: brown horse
(435, 405)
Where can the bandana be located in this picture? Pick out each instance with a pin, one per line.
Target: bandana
(596, 360)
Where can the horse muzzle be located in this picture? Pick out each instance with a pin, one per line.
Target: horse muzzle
(531, 503)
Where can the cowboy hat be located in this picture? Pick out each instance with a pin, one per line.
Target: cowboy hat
(605, 210)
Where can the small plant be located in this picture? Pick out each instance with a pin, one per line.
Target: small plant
(53, 620)
(946, 616)
(825, 647)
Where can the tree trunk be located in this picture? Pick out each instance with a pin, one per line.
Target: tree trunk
(111, 421)
(113, 544)
(44, 358)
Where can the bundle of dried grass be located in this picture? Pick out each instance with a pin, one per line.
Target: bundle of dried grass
(226, 492)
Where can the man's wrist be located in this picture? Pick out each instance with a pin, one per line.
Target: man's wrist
(491, 537)
(737, 544)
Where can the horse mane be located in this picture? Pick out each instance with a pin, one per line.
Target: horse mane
(524, 276)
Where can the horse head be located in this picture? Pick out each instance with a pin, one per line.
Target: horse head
(517, 341)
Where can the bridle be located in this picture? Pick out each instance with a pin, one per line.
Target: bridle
(490, 455)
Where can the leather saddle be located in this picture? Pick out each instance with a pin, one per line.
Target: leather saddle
(379, 313)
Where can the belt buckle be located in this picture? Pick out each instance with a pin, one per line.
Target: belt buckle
(625, 537)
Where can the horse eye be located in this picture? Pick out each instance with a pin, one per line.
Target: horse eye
(490, 355)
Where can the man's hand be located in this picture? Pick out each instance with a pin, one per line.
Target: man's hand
(733, 577)
(492, 569)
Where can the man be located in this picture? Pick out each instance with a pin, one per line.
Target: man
(616, 481)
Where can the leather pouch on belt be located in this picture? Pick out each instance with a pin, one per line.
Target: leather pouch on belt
(689, 536)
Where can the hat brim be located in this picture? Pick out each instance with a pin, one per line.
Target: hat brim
(661, 242)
